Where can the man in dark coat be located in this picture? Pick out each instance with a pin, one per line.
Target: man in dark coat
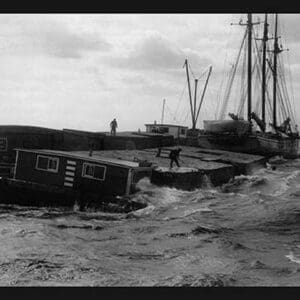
(113, 126)
(174, 156)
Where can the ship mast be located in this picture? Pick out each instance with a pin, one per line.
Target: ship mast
(195, 104)
(249, 26)
(203, 94)
(190, 93)
(265, 39)
(163, 111)
(276, 52)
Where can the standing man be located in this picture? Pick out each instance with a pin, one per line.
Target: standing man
(174, 156)
(113, 127)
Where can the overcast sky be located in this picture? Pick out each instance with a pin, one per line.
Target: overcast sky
(81, 70)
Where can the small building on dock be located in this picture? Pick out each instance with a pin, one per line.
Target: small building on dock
(177, 131)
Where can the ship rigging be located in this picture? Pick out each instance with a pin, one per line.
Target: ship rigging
(252, 97)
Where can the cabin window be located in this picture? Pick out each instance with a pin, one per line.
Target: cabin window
(164, 129)
(3, 144)
(154, 130)
(47, 163)
(93, 171)
(182, 131)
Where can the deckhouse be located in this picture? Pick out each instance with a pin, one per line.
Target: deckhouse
(60, 178)
(105, 176)
(176, 131)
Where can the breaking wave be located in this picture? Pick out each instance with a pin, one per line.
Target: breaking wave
(243, 233)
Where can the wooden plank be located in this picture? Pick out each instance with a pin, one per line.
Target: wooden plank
(69, 179)
(69, 173)
(70, 168)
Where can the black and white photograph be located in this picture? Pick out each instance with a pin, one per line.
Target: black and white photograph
(150, 149)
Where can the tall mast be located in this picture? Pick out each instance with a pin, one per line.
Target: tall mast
(249, 26)
(163, 111)
(276, 51)
(189, 86)
(265, 39)
(195, 102)
(203, 93)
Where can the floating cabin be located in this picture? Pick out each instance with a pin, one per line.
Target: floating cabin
(61, 178)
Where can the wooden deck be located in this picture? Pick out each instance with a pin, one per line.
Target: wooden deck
(243, 163)
(219, 166)
(217, 172)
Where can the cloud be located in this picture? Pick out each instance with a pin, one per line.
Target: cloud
(289, 26)
(85, 69)
(51, 35)
(65, 44)
(157, 53)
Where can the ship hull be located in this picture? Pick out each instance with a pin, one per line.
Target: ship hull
(266, 145)
(229, 142)
(239, 127)
(25, 193)
(273, 145)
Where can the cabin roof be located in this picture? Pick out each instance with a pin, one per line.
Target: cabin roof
(166, 125)
(83, 156)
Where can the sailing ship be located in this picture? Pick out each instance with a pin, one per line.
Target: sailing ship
(252, 135)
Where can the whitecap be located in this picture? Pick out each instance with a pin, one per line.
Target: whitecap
(292, 257)
(193, 211)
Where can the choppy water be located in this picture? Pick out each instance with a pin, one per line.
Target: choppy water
(245, 233)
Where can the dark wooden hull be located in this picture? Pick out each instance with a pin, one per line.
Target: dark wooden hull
(229, 142)
(32, 194)
(261, 144)
(223, 126)
(25, 193)
(273, 145)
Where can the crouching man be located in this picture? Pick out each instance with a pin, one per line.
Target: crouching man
(174, 157)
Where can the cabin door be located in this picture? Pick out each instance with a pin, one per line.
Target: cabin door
(70, 173)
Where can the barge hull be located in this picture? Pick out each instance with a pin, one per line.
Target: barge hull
(32, 194)
(26, 193)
